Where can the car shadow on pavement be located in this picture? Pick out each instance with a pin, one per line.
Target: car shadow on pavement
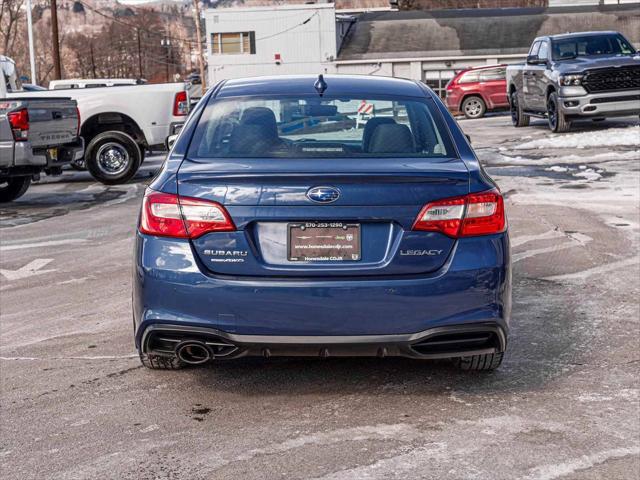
(543, 345)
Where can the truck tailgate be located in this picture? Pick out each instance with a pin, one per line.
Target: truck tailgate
(52, 121)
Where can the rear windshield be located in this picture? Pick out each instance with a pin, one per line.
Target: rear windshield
(313, 126)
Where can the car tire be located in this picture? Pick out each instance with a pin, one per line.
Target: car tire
(558, 123)
(113, 157)
(13, 188)
(157, 362)
(518, 117)
(479, 363)
(473, 107)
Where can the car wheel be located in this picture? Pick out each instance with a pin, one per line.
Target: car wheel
(13, 188)
(157, 362)
(474, 107)
(557, 120)
(113, 157)
(479, 363)
(518, 117)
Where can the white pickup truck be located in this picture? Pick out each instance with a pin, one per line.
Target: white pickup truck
(119, 123)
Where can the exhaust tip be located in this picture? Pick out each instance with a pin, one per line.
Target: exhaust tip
(193, 352)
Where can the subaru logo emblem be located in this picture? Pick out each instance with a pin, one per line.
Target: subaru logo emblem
(323, 194)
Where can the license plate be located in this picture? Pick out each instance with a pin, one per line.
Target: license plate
(324, 242)
(53, 154)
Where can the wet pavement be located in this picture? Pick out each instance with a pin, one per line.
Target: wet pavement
(76, 404)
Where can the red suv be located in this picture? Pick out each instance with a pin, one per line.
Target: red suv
(477, 90)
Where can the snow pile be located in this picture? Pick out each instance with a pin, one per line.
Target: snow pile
(492, 159)
(588, 174)
(556, 168)
(611, 137)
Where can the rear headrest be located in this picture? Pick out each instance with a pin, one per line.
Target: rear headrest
(392, 138)
(251, 140)
(262, 116)
(370, 126)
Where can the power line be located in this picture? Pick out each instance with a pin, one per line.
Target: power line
(126, 24)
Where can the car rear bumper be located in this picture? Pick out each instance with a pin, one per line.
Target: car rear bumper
(439, 342)
(170, 288)
(610, 104)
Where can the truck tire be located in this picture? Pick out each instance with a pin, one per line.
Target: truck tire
(113, 157)
(557, 121)
(13, 188)
(479, 363)
(157, 362)
(473, 107)
(518, 117)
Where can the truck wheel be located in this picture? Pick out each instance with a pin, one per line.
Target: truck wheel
(13, 188)
(113, 157)
(518, 117)
(557, 121)
(479, 363)
(473, 107)
(157, 362)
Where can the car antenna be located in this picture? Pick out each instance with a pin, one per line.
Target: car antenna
(320, 85)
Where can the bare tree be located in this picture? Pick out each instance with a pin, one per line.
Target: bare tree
(11, 13)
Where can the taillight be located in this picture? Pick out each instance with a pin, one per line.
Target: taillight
(19, 121)
(180, 104)
(168, 215)
(78, 126)
(474, 214)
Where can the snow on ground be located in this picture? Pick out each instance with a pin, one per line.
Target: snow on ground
(604, 138)
(492, 159)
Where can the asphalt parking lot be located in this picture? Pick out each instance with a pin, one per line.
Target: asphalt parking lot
(76, 403)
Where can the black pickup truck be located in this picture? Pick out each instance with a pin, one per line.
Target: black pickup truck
(576, 75)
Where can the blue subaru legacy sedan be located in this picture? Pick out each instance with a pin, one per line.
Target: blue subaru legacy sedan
(321, 216)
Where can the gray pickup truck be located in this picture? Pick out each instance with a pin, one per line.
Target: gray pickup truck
(575, 76)
(36, 135)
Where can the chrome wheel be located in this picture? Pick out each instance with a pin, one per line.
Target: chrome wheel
(113, 158)
(473, 107)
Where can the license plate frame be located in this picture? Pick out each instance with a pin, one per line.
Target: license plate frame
(347, 249)
(53, 154)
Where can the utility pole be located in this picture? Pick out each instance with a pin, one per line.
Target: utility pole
(93, 61)
(57, 69)
(196, 13)
(32, 55)
(139, 55)
(166, 42)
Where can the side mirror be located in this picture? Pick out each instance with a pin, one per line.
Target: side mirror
(534, 60)
(170, 140)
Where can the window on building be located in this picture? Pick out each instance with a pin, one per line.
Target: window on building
(233, 43)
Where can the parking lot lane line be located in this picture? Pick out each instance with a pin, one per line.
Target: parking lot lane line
(551, 472)
(51, 243)
(95, 357)
(517, 241)
(30, 269)
(539, 251)
(607, 267)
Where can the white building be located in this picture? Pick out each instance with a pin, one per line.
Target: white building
(284, 40)
(430, 46)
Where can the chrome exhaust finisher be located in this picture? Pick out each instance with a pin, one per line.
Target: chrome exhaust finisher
(193, 352)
